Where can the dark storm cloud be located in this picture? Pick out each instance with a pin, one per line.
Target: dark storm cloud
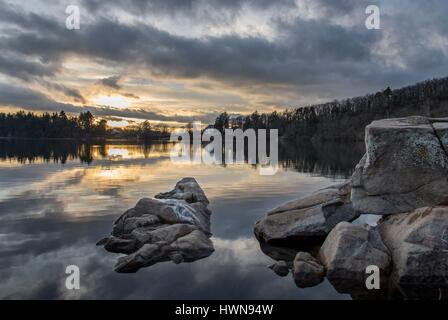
(307, 46)
(31, 70)
(183, 6)
(69, 92)
(13, 14)
(312, 54)
(20, 96)
(23, 97)
(23, 69)
(341, 7)
(36, 72)
(111, 82)
(130, 95)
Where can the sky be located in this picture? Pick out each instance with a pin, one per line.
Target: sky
(178, 61)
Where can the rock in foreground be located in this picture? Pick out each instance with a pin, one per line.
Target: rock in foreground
(307, 219)
(175, 227)
(405, 166)
(348, 251)
(418, 242)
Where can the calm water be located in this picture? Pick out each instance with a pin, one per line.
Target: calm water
(57, 199)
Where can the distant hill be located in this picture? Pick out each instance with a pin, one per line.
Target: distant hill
(345, 120)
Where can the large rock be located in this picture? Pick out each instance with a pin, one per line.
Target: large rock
(348, 251)
(175, 227)
(404, 177)
(405, 166)
(418, 242)
(307, 270)
(307, 219)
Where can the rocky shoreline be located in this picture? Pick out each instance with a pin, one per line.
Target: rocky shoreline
(173, 226)
(403, 177)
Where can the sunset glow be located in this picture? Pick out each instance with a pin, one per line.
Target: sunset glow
(112, 101)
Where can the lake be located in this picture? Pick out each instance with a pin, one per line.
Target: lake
(57, 199)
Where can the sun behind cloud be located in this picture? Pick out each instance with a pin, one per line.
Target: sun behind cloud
(115, 101)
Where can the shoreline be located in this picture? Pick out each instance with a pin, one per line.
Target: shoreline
(84, 140)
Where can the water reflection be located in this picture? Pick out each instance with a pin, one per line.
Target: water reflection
(51, 215)
(61, 151)
(324, 159)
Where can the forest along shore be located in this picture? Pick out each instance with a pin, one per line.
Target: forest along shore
(345, 120)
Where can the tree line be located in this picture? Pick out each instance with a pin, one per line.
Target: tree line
(346, 119)
(61, 126)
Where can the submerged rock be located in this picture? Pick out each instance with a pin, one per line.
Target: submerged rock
(307, 219)
(405, 166)
(418, 242)
(175, 227)
(307, 270)
(279, 253)
(281, 268)
(348, 251)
